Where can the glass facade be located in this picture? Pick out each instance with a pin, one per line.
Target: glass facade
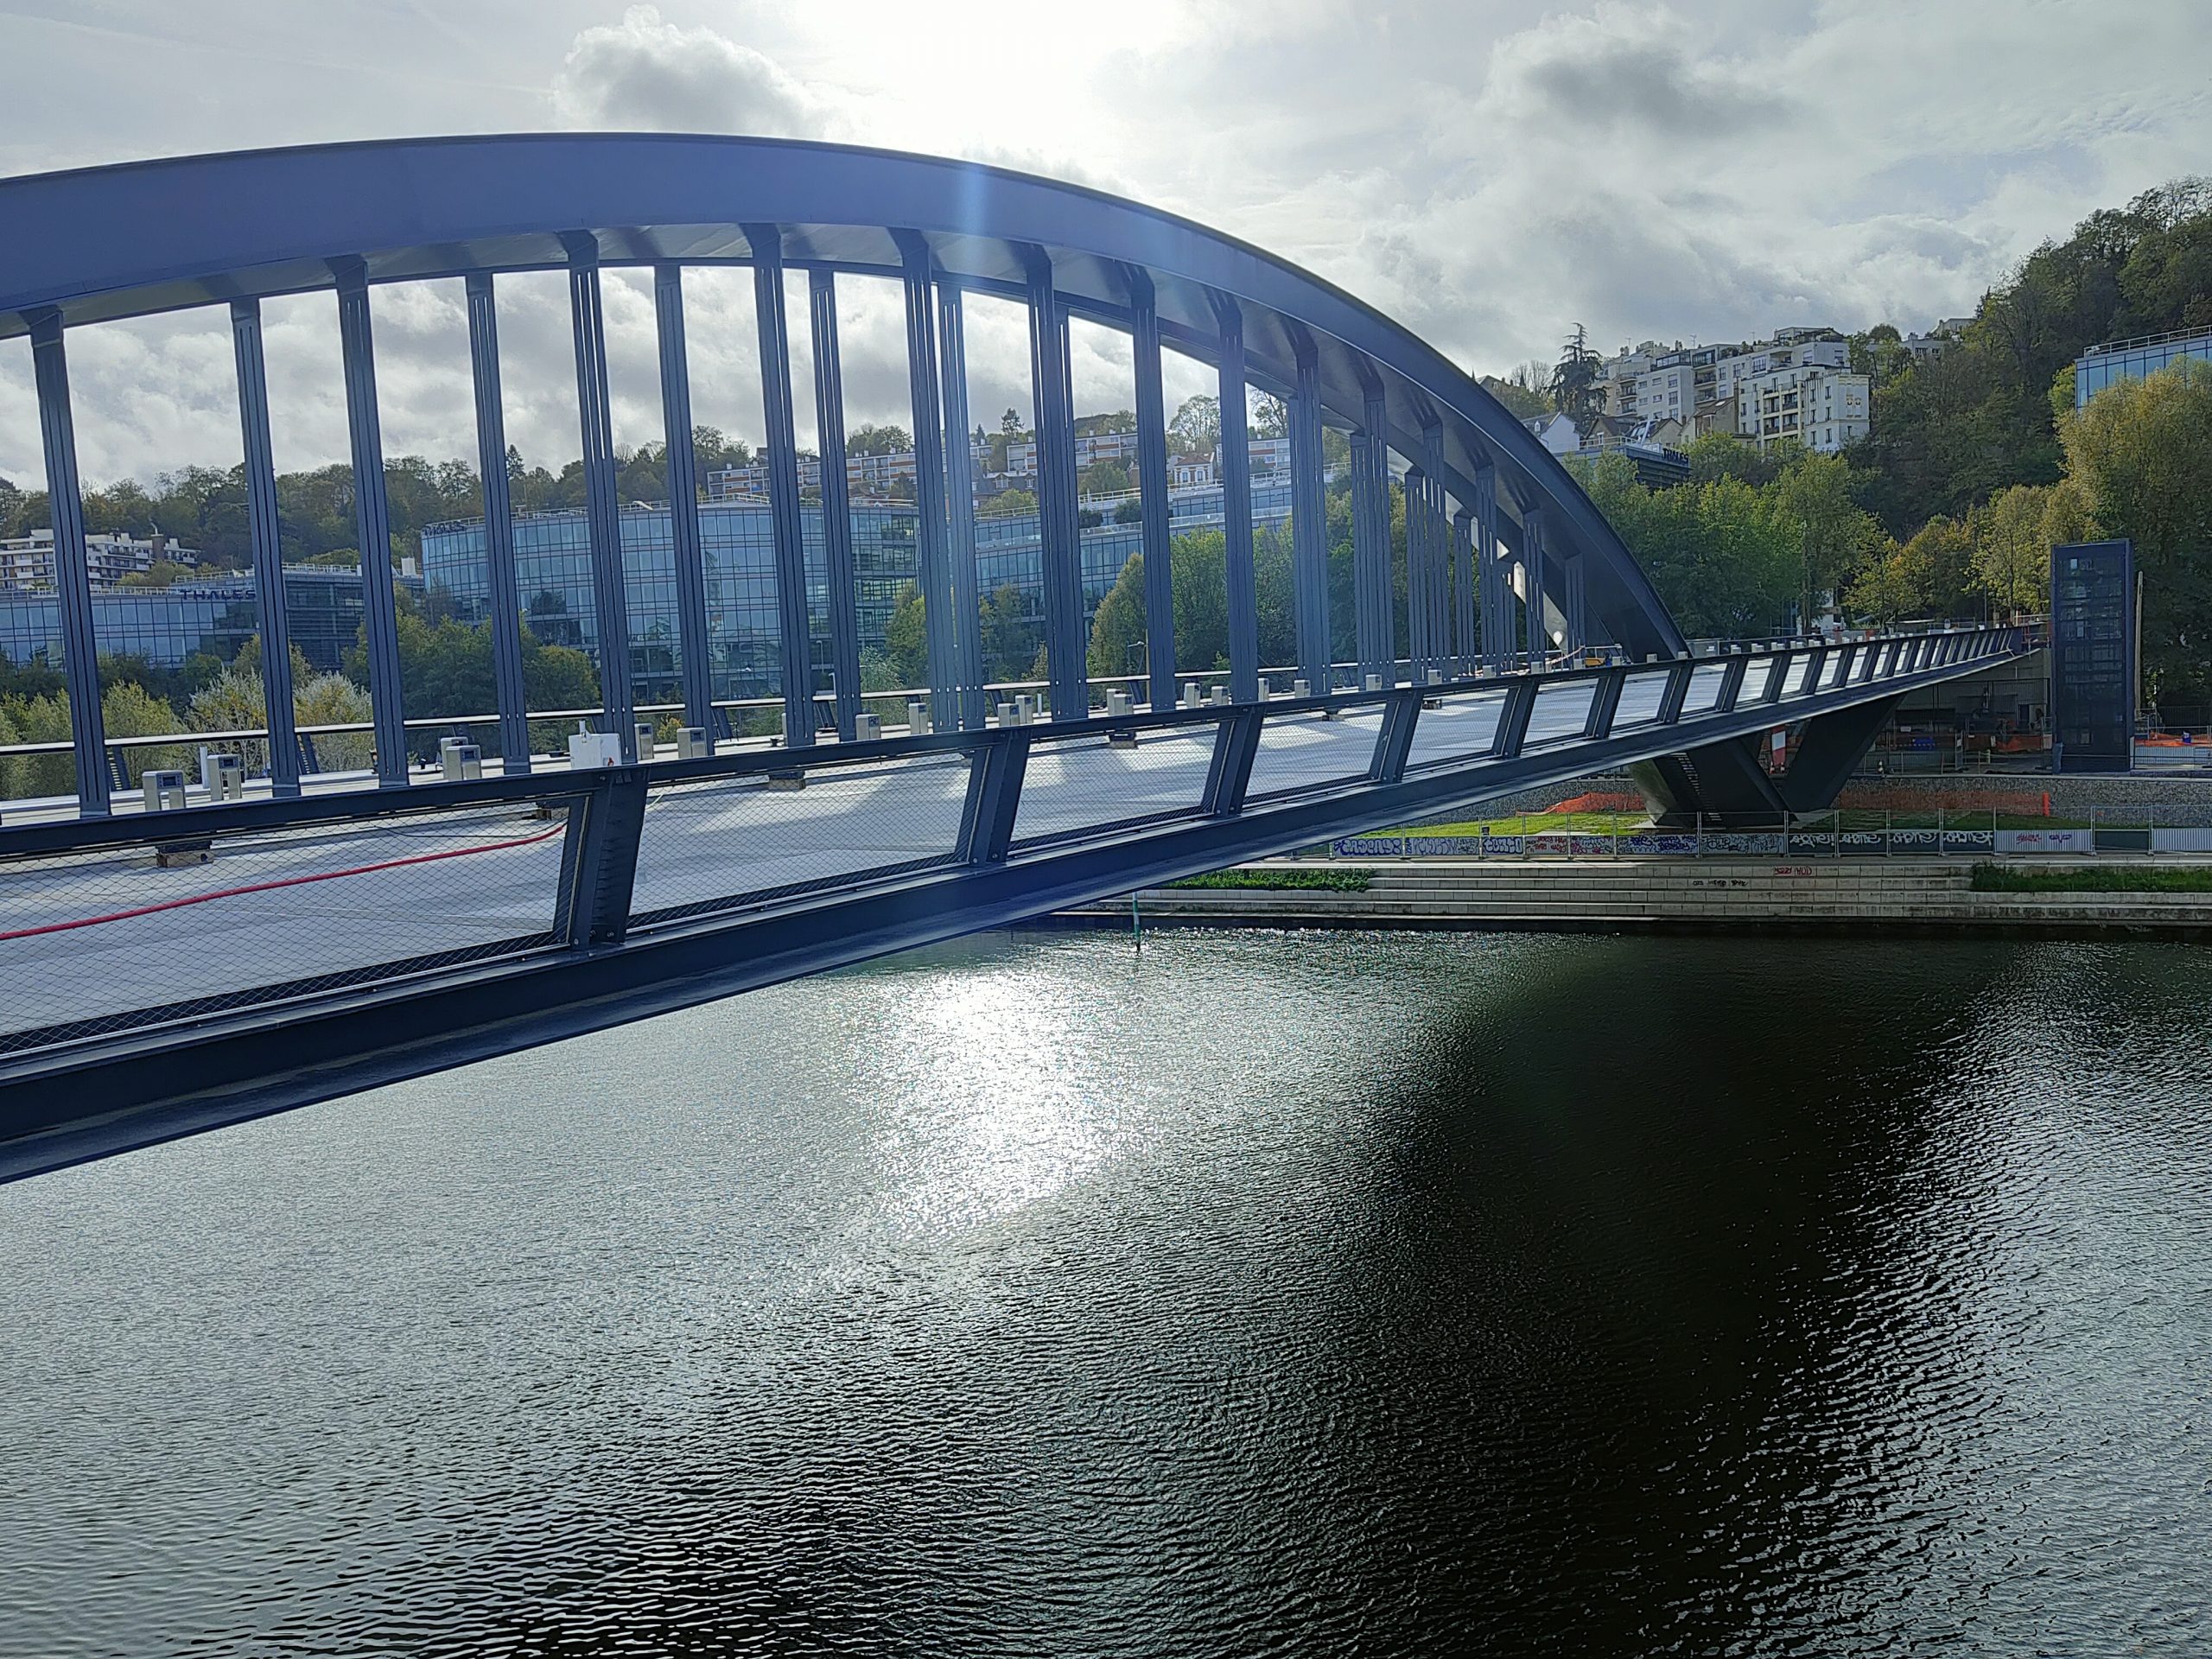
(2093, 656)
(167, 624)
(2134, 360)
(553, 572)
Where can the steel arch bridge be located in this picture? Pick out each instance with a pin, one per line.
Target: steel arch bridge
(663, 881)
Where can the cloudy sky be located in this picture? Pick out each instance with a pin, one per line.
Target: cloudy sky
(1490, 175)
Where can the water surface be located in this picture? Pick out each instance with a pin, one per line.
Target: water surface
(1271, 1294)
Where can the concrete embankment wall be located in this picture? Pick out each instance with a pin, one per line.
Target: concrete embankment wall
(1669, 892)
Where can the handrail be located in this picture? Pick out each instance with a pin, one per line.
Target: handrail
(1559, 660)
(747, 758)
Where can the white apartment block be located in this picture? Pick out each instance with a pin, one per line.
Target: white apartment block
(27, 561)
(1822, 408)
(865, 475)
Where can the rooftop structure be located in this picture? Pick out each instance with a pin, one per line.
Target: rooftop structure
(2136, 360)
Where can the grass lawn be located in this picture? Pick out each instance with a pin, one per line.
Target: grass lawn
(2003, 878)
(1281, 880)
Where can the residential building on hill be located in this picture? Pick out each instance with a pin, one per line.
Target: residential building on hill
(27, 561)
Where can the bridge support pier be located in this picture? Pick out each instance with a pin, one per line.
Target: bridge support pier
(1723, 782)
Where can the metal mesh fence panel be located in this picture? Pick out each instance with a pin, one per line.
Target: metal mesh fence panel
(1757, 673)
(728, 843)
(1561, 711)
(1802, 672)
(108, 940)
(1304, 752)
(1073, 786)
(1460, 728)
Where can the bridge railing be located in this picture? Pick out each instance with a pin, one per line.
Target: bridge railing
(162, 918)
(342, 755)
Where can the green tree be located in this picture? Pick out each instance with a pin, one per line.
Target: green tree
(1721, 455)
(905, 640)
(557, 676)
(1835, 537)
(1198, 569)
(1520, 402)
(877, 441)
(1010, 636)
(2011, 559)
(40, 720)
(130, 710)
(1007, 503)
(1577, 384)
(1104, 478)
(334, 700)
(2138, 453)
(1886, 591)
(1118, 630)
(1196, 431)
(1940, 557)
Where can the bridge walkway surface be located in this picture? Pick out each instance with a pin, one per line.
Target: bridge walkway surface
(167, 970)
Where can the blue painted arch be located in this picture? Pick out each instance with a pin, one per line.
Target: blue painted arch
(106, 243)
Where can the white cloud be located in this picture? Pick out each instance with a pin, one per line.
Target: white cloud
(1490, 176)
(647, 72)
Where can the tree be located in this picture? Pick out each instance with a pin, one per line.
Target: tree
(1520, 401)
(1884, 592)
(1577, 389)
(877, 441)
(1198, 569)
(2011, 557)
(1118, 628)
(334, 700)
(1721, 454)
(1010, 424)
(1196, 431)
(1104, 478)
(130, 711)
(1835, 537)
(1723, 555)
(1009, 636)
(1270, 417)
(1009, 504)
(905, 640)
(557, 677)
(1940, 560)
(2137, 452)
(40, 720)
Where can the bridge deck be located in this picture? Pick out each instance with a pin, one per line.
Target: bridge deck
(342, 938)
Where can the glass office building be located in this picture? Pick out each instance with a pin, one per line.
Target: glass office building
(554, 575)
(2135, 360)
(165, 626)
(2093, 664)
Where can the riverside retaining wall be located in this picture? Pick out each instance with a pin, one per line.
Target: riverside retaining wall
(1660, 892)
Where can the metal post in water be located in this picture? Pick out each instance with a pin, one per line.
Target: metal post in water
(1137, 920)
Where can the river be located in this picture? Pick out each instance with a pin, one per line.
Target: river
(1263, 1293)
